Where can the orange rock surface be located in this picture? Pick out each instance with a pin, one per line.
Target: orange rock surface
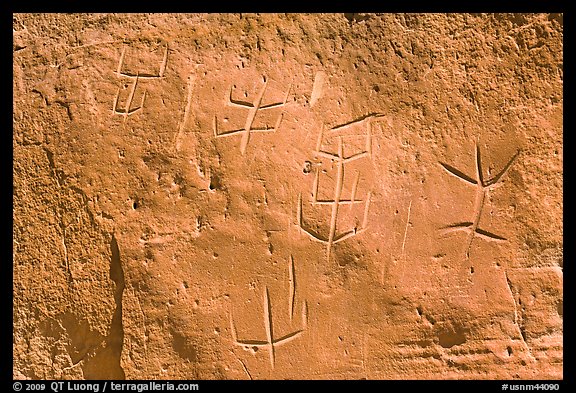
(326, 196)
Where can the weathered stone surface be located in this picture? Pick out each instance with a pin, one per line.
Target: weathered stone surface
(337, 196)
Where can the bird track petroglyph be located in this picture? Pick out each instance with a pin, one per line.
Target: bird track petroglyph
(482, 187)
(272, 343)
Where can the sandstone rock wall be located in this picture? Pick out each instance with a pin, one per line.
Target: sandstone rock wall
(328, 196)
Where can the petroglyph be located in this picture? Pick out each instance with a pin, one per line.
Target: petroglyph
(272, 343)
(482, 188)
(135, 77)
(340, 160)
(253, 109)
(203, 229)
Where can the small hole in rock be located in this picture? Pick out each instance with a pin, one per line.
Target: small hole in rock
(215, 183)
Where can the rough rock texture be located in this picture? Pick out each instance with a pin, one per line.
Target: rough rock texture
(338, 196)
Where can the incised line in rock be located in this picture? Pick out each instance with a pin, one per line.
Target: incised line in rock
(482, 188)
(253, 109)
(271, 342)
(135, 77)
(337, 200)
(516, 322)
(181, 127)
(406, 229)
(142, 75)
(292, 281)
(128, 110)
